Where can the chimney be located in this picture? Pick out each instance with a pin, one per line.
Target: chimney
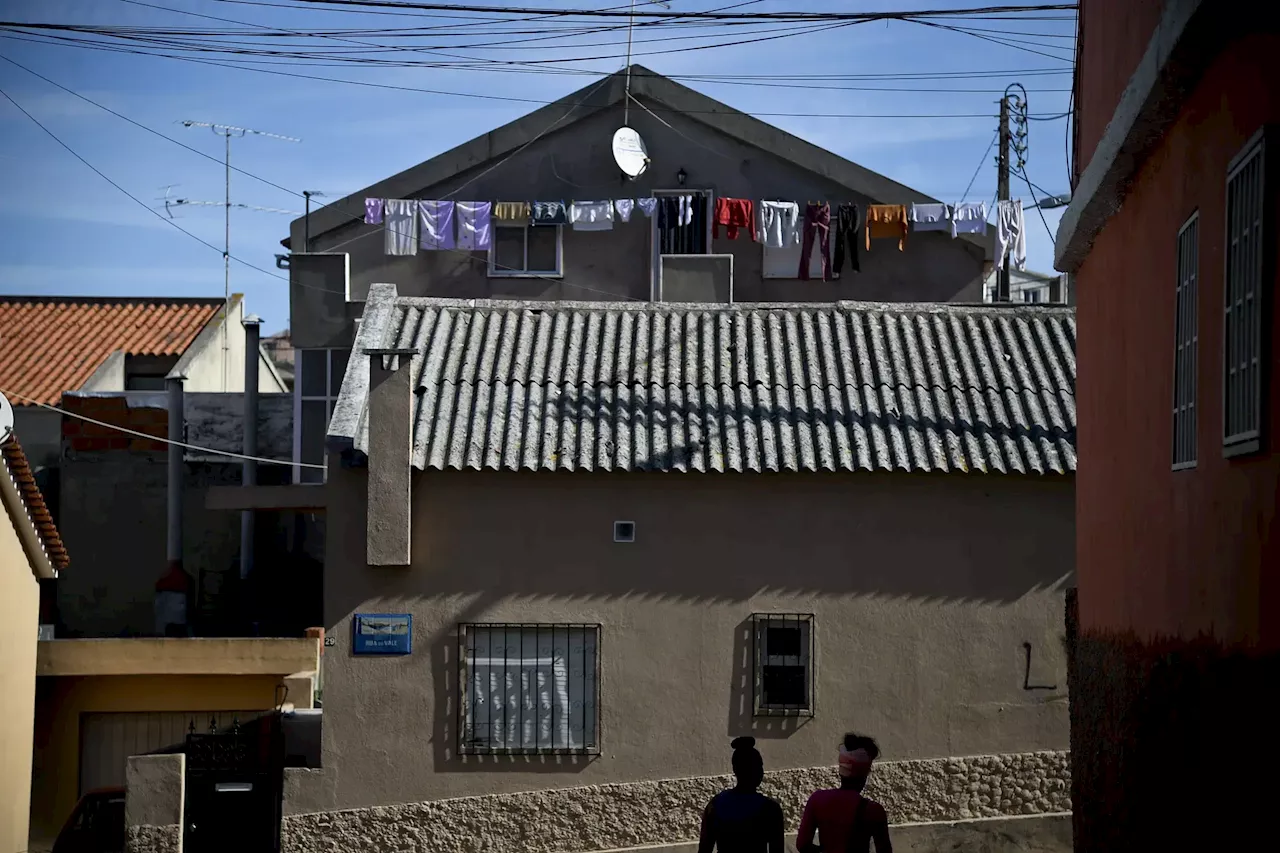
(390, 424)
(174, 587)
(249, 470)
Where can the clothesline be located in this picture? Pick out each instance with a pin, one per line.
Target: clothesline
(435, 224)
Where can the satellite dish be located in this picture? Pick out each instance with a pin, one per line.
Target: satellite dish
(629, 152)
(6, 419)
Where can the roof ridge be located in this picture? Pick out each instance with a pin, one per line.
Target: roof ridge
(840, 305)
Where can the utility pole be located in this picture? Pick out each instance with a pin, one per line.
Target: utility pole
(1002, 194)
(227, 132)
(1013, 110)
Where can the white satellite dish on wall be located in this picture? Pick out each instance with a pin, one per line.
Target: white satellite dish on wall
(6, 419)
(629, 152)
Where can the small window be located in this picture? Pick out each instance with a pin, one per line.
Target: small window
(1186, 342)
(525, 251)
(784, 262)
(783, 661)
(1034, 294)
(529, 688)
(1243, 345)
(316, 386)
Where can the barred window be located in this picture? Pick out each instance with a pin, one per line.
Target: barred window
(529, 688)
(1243, 345)
(783, 661)
(1185, 346)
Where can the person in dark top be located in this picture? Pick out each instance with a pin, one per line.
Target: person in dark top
(844, 820)
(741, 819)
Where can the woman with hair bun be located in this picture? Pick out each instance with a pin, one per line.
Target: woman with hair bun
(844, 820)
(741, 819)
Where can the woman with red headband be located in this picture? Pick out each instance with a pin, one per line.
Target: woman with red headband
(844, 820)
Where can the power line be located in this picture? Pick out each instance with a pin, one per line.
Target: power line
(134, 198)
(982, 160)
(787, 16)
(185, 445)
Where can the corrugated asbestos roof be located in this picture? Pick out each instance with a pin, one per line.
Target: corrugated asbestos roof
(614, 386)
(53, 344)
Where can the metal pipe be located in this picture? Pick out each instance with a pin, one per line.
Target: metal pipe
(177, 422)
(249, 473)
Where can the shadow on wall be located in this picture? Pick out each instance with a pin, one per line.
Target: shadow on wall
(742, 717)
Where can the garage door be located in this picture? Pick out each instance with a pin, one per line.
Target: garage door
(107, 740)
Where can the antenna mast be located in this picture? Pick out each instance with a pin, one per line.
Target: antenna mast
(227, 131)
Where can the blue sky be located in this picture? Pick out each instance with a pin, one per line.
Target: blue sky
(67, 231)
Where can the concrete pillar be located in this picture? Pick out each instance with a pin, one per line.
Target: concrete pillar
(154, 802)
(390, 420)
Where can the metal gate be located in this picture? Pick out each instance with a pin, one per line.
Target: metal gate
(234, 787)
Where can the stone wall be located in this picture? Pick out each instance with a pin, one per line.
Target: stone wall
(155, 799)
(661, 812)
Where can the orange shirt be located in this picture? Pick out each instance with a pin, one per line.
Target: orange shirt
(887, 220)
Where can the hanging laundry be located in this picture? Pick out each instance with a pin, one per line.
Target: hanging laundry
(550, 213)
(817, 223)
(512, 212)
(648, 205)
(969, 217)
(887, 220)
(400, 228)
(931, 217)
(373, 211)
(474, 221)
(591, 215)
(624, 206)
(734, 213)
(847, 226)
(1011, 234)
(777, 223)
(682, 225)
(435, 225)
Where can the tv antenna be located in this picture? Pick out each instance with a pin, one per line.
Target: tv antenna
(228, 132)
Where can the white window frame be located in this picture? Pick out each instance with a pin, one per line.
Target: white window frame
(1247, 438)
(1186, 344)
(525, 670)
(760, 658)
(330, 398)
(499, 272)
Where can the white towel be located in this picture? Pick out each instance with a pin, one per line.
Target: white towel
(930, 217)
(591, 215)
(969, 217)
(1011, 234)
(400, 226)
(777, 224)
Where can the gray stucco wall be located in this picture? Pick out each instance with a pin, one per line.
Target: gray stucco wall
(112, 517)
(577, 162)
(924, 589)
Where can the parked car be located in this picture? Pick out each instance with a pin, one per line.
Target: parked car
(96, 824)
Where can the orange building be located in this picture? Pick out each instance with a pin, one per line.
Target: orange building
(1172, 237)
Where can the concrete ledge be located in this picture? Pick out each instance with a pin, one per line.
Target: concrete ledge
(666, 813)
(303, 498)
(282, 656)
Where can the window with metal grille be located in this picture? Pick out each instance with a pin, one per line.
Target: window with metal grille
(782, 655)
(1185, 345)
(529, 688)
(1243, 345)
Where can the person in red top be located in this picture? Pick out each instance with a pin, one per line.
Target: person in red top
(843, 819)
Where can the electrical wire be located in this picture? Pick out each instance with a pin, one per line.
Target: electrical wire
(1047, 229)
(131, 196)
(981, 160)
(289, 463)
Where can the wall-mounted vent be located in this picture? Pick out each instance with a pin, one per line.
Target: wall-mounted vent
(624, 531)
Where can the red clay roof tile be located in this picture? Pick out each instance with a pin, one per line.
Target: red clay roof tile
(49, 345)
(20, 470)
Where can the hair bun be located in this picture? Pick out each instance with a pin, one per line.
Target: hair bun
(743, 743)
